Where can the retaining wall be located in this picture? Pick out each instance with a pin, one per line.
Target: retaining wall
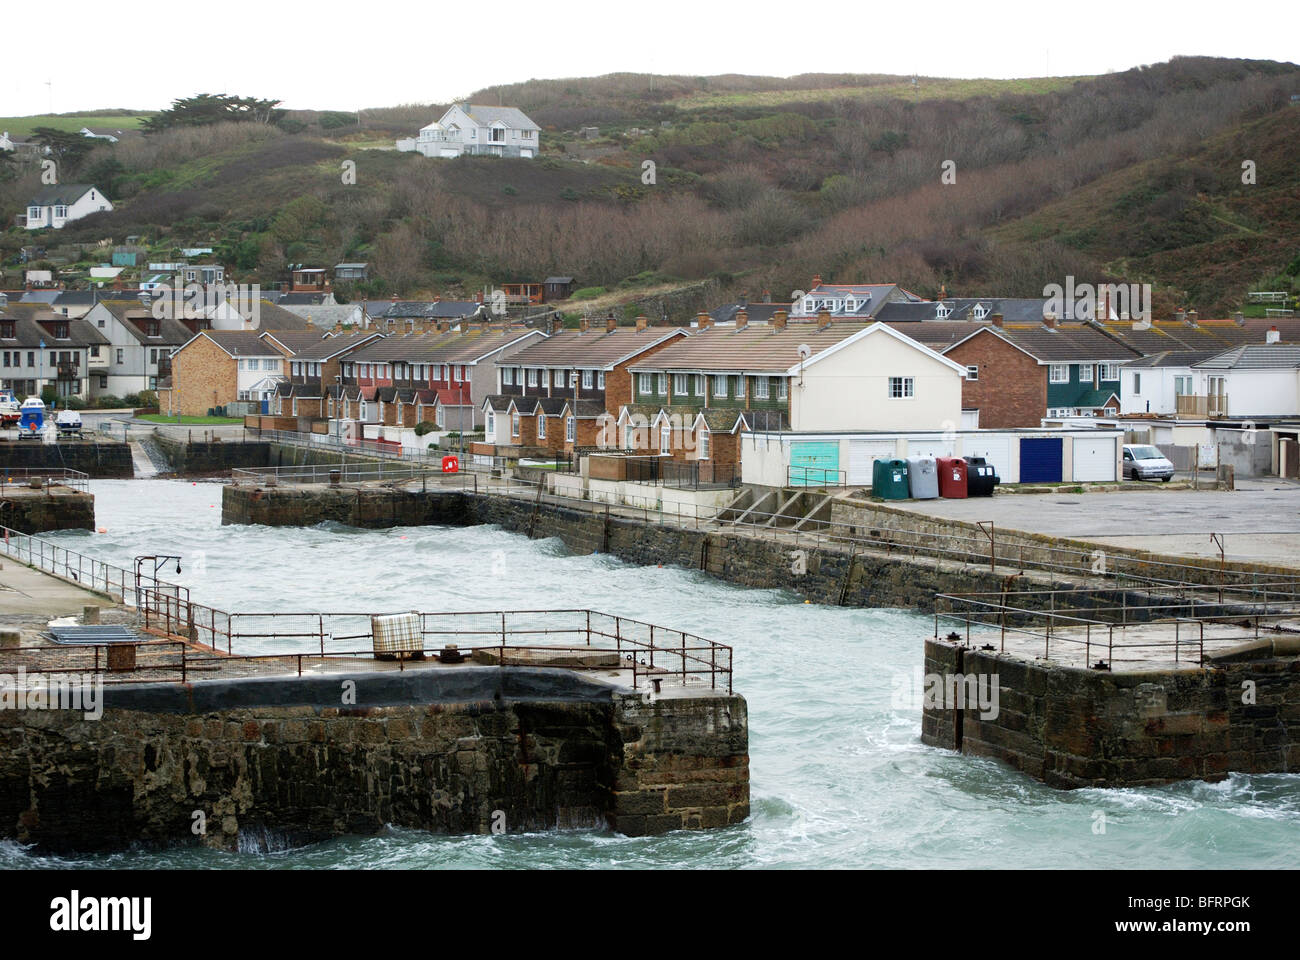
(94, 458)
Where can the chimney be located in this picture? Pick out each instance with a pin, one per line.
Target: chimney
(1049, 321)
(1239, 318)
(817, 280)
(1191, 317)
(610, 323)
(779, 318)
(767, 296)
(742, 319)
(996, 319)
(642, 322)
(1180, 316)
(1273, 335)
(703, 321)
(583, 324)
(823, 319)
(478, 297)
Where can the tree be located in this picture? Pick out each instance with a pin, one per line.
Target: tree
(209, 108)
(67, 147)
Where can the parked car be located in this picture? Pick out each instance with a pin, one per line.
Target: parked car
(1145, 462)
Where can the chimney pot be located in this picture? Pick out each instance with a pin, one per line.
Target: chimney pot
(1049, 321)
(1191, 317)
(823, 319)
(779, 319)
(703, 321)
(1180, 316)
(583, 324)
(610, 324)
(1239, 318)
(642, 322)
(1273, 335)
(742, 319)
(996, 319)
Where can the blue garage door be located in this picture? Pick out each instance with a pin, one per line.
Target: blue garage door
(1040, 460)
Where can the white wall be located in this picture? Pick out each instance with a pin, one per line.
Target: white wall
(849, 389)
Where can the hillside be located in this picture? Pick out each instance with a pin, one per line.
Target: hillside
(759, 183)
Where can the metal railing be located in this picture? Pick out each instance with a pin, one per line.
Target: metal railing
(797, 476)
(1119, 626)
(49, 476)
(684, 474)
(77, 567)
(329, 442)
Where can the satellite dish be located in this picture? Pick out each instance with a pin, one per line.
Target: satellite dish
(805, 351)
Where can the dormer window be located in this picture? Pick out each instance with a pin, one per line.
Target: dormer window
(942, 311)
(810, 305)
(7, 330)
(980, 311)
(850, 304)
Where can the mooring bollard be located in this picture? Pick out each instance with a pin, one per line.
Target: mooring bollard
(10, 639)
(90, 614)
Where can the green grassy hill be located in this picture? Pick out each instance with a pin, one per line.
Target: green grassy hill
(757, 184)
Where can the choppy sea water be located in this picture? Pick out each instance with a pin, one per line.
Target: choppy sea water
(839, 775)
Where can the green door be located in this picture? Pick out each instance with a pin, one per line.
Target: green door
(815, 464)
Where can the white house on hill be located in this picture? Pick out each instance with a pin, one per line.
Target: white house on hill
(56, 205)
(475, 129)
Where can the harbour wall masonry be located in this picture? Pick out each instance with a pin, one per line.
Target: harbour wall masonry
(94, 458)
(257, 764)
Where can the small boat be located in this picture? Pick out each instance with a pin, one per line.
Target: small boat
(68, 423)
(10, 412)
(31, 419)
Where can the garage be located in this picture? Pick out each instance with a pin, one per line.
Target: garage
(995, 450)
(932, 445)
(862, 454)
(1041, 459)
(1094, 459)
(815, 464)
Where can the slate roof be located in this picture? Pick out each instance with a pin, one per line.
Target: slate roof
(759, 349)
(558, 280)
(294, 340)
(874, 297)
(134, 317)
(551, 406)
(1255, 356)
(300, 299)
(460, 348)
(329, 347)
(424, 309)
(28, 331)
(758, 312)
(499, 402)
(511, 116)
(1172, 358)
(595, 349)
(1067, 343)
(241, 343)
(60, 194)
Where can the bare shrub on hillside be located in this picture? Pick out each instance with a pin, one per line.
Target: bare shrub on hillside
(180, 144)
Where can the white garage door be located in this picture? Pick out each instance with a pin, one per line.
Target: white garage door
(996, 450)
(1094, 458)
(932, 445)
(862, 454)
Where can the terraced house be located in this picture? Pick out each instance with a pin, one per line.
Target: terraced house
(437, 378)
(41, 349)
(315, 373)
(693, 399)
(558, 394)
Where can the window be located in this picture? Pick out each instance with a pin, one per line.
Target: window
(491, 424)
(663, 385)
(643, 383)
(702, 443)
(153, 357)
(120, 355)
(532, 378)
(782, 389)
(973, 371)
(514, 425)
(980, 311)
(570, 429)
(1109, 371)
(761, 388)
(588, 379)
(457, 372)
(33, 213)
(60, 212)
(1182, 386)
(103, 383)
(508, 376)
(573, 379)
(701, 389)
(679, 384)
(1058, 373)
(665, 440)
(6, 358)
(941, 311)
(1085, 373)
(557, 379)
(1137, 383)
(541, 426)
(719, 385)
(243, 394)
(600, 380)
(902, 388)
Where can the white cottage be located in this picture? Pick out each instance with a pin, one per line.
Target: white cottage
(476, 129)
(61, 203)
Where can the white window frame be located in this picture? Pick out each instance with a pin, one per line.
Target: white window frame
(1058, 373)
(1085, 372)
(588, 379)
(643, 383)
(570, 429)
(762, 388)
(600, 380)
(514, 424)
(783, 389)
(491, 425)
(902, 388)
(508, 376)
(702, 443)
(541, 426)
(701, 385)
(532, 377)
(1137, 384)
(665, 440)
(720, 380)
(1108, 371)
(972, 371)
(679, 384)
(661, 385)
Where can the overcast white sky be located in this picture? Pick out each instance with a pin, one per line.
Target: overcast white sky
(347, 54)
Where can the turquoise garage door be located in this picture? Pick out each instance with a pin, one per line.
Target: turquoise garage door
(815, 464)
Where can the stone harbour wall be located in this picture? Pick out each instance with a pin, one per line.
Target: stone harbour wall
(94, 458)
(274, 762)
(36, 511)
(1071, 727)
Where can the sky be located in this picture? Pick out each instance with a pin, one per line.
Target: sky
(348, 55)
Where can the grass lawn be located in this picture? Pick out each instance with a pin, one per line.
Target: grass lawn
(194, 421)
(21, 127)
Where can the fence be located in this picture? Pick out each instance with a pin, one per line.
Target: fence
(370, 448)
(685, 474)
(1103, 621)
(49, 476)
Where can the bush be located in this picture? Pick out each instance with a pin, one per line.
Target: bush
(423, 427)
(132, 400)
(48, 395)
(109, 402)
(74, 403)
